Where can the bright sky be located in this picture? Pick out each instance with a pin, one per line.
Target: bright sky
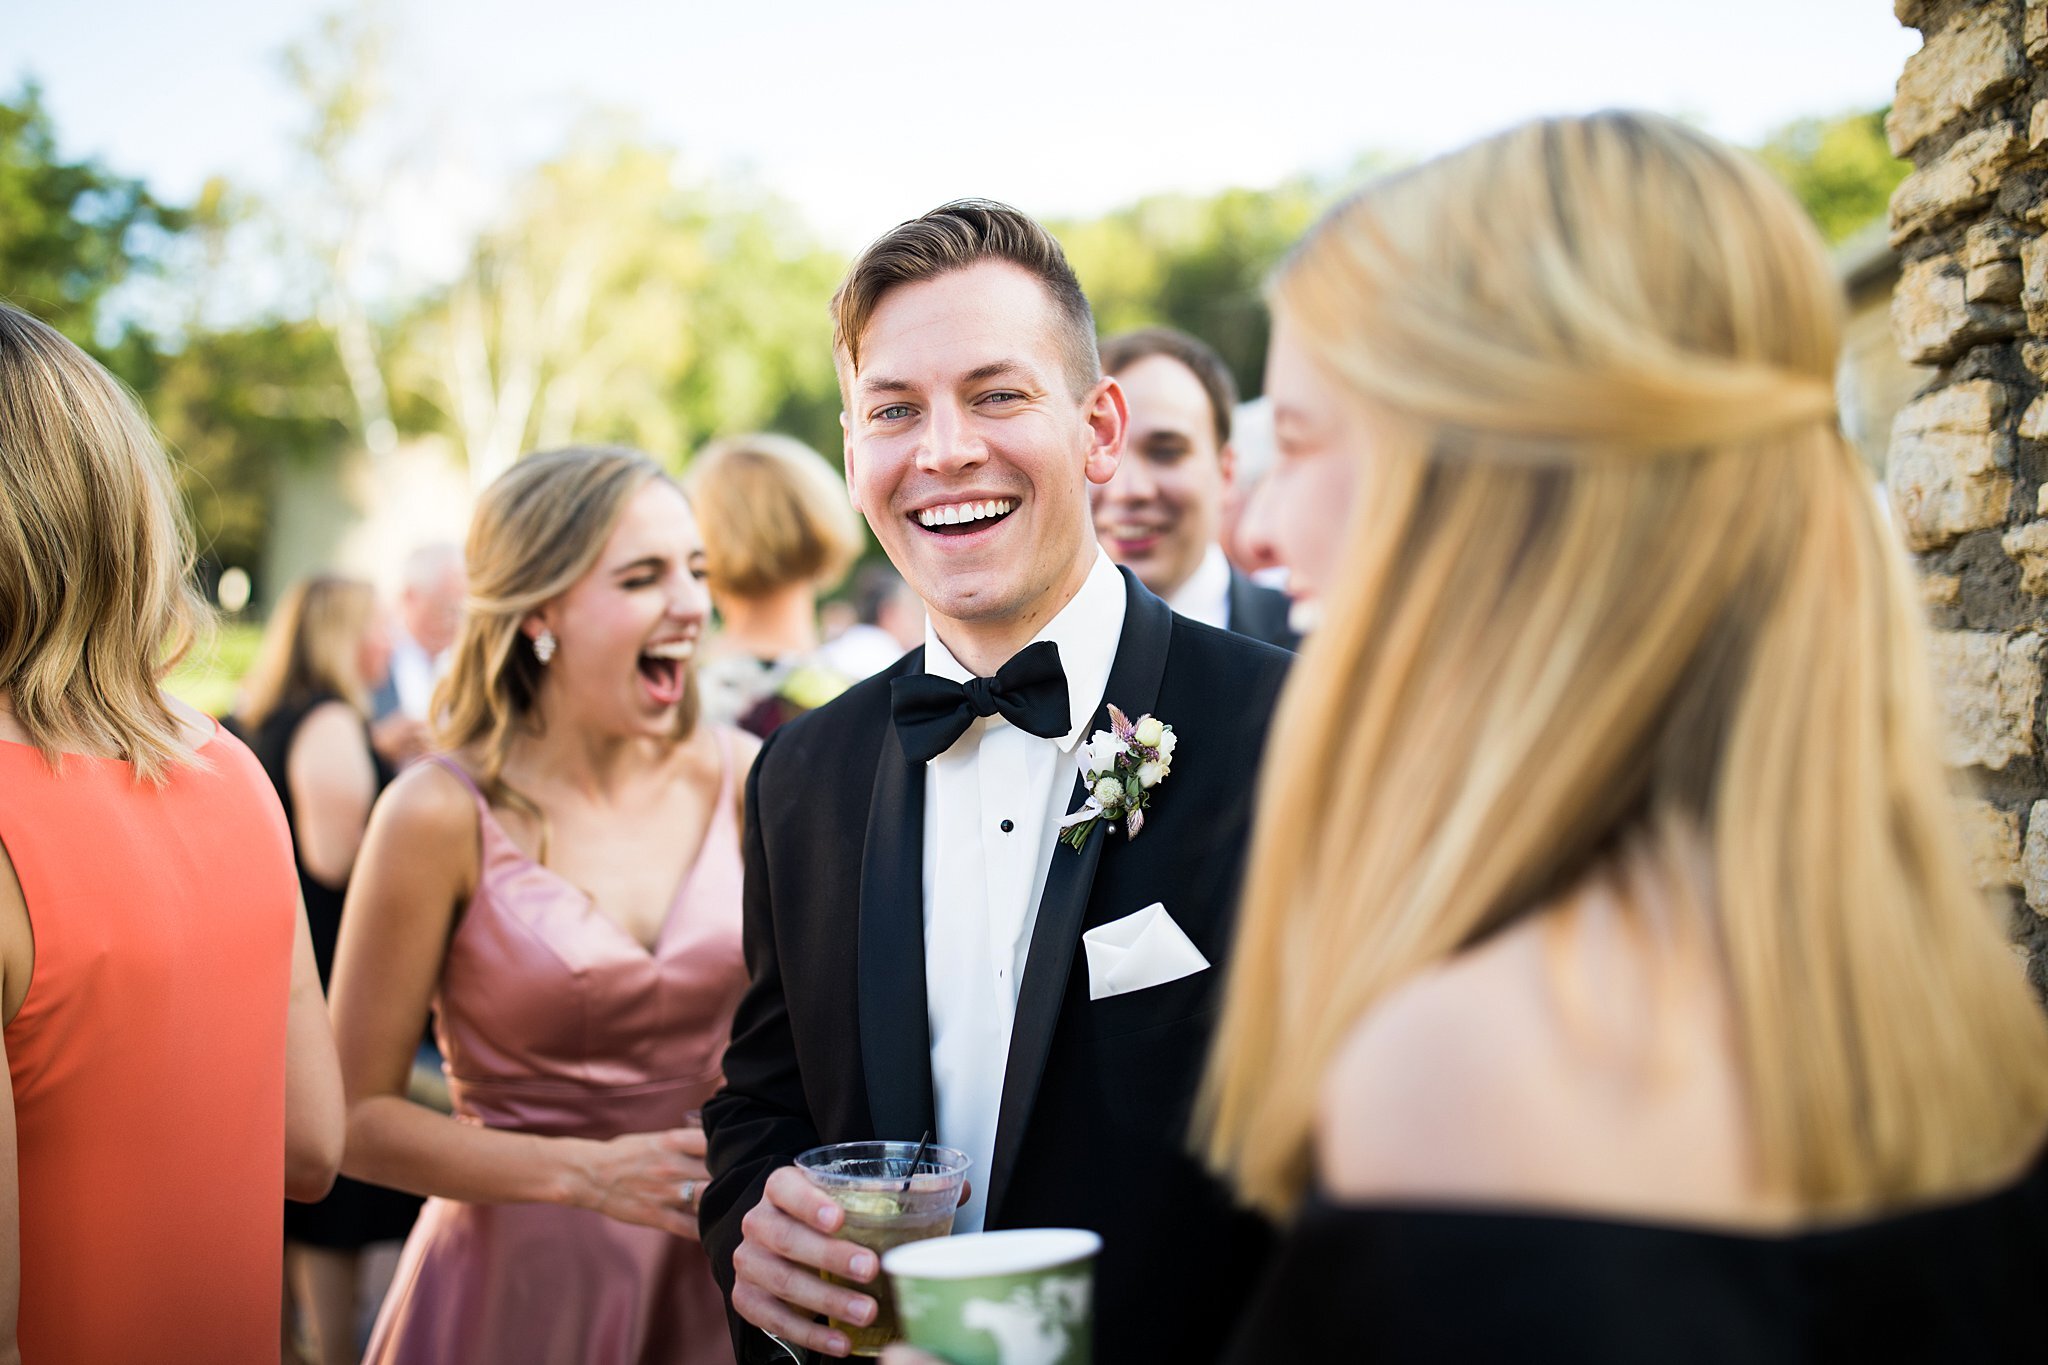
(865, 112)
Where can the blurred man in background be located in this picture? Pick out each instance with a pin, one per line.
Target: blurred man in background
(431, 588)
(1162, 514)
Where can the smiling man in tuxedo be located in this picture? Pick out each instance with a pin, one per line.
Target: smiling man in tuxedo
(914, 925)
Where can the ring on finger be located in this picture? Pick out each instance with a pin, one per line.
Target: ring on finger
(689, 1193)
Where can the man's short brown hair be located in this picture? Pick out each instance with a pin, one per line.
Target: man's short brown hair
(1121, 352)
(952, 237)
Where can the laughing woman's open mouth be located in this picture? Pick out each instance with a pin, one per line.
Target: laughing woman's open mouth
(664, 670)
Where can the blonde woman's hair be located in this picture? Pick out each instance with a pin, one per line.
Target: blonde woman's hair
(1615, 572)
(774, 514)
(313, 645)
(96, 604)
(538, 528)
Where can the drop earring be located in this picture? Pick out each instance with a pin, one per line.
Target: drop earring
(544, 646)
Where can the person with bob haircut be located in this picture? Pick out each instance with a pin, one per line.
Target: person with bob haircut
(169, 1064)
(305, 713)
(778, 531)
(560, 885)
(1610, 985)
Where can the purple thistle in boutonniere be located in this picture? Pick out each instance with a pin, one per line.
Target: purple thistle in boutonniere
(1121, 766)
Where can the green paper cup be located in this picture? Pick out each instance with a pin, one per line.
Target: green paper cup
(1023, 1297)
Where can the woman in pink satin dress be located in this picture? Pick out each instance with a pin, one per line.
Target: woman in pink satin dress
(561, 886)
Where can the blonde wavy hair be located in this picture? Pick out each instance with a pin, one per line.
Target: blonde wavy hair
(312, 645)
(538, 528)
(1615, 572)
(96, 602)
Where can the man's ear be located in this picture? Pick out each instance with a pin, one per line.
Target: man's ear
(1226, 461)
(1108, 417)
(849, 462)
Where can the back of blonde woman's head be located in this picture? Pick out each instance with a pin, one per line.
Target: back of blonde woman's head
(312, 646)
(95, 600)
(538, 528)
(1614, 572)
(774, 515)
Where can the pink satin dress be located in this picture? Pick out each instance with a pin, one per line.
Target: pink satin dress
(554, 1020)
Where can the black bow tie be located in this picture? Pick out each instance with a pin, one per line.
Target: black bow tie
(1030, 692)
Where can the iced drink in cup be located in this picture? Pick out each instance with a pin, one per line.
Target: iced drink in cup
(887, 1204)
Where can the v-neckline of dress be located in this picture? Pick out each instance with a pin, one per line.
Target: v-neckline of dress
(652, 950)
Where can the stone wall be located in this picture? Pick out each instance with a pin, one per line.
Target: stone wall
(1968, 467)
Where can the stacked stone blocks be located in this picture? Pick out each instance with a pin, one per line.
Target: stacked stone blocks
(1968, 469)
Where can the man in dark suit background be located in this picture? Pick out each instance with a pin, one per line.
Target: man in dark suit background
(1162, 511)
(914, 928)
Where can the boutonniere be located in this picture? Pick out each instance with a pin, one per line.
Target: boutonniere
(1121, 766)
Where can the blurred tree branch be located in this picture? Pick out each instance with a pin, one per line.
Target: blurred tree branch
(340, 74)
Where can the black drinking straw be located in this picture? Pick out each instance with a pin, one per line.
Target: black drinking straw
(917, 1159)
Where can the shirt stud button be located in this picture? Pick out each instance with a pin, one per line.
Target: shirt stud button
(1008, 825)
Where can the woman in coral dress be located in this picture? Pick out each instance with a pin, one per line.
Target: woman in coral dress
(562, 888)
(169, 1069)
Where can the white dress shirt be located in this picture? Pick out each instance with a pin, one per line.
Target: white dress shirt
(992, 808)
(414, 673)
(1205, 597)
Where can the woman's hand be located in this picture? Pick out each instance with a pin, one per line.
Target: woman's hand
(655, 1179)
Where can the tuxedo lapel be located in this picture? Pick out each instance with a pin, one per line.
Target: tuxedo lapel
(895, 1028)
(1133, 688)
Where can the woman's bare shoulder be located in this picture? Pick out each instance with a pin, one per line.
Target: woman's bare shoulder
(746, 747)
(429, 798)
(1414, 1099)
(701, 758)
(1551, 1066)
(331, 732)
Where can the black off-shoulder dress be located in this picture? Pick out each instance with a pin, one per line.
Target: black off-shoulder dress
(1958, 1282)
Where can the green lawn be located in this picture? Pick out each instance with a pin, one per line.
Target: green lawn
(210, 673)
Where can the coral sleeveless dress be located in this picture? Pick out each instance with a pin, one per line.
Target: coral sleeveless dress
(554, 1020)
(148, 1059)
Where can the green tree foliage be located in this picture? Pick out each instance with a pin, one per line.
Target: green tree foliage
(341, 75)
(761, 355)
(231, 406)
(1196, 263)
(617, 298)
(70, 231)
(1842, 169)
(620, 302)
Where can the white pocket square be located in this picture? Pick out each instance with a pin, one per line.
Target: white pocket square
(1137, 951)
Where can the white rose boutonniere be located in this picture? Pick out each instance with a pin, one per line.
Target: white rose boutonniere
(1102, 752)
(1122, 766)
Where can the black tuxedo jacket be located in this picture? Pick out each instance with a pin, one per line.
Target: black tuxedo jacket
(1260, 613)
(832, 1043)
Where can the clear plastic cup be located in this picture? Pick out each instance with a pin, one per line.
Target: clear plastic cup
(888, 1204)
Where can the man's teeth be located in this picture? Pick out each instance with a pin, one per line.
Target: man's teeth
(960, 512)
(674, 649)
